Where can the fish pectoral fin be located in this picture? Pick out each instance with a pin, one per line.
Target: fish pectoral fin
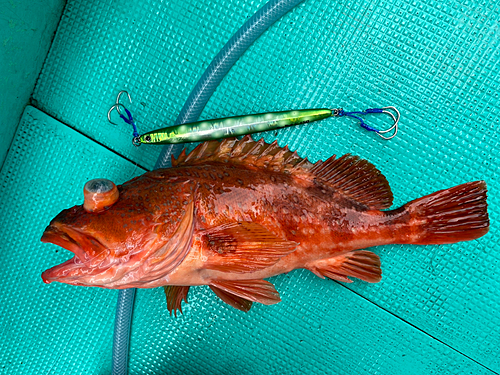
(243, 247)
(249, 290)
(175, 294)
(362, 264)
(237, 302)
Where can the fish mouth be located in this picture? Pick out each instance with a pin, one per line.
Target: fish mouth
(88, 253)
(59, 237)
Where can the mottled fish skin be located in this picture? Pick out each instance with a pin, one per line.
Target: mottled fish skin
(291, 208)
(233, 213)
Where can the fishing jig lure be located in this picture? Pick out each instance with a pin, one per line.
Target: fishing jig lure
(207, 130)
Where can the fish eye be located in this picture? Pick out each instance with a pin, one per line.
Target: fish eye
(99, 194)
(148, 138)
(99, 185)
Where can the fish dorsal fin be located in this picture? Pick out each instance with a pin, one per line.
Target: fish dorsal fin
(356, 178)
(349, 175)
(246, 152)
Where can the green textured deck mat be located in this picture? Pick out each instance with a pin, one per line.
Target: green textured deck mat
(436, 310)
(320, 327)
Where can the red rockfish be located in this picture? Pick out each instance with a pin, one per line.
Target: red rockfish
(233, 213)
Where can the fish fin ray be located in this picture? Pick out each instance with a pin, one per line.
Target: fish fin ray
(355, 178)
(261, 291)
(243, 247)
(350, 175)
(360, 264)
(175, 295)
(456, 214)
(246, 152)
(231, 299)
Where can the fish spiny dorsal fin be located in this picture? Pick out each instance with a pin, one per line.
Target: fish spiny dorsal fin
(356, 178)
(246, 152)
(351, 176)
(240, 148)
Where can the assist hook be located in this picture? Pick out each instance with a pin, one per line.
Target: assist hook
(129, 119)
(390, 110)
(117, 105)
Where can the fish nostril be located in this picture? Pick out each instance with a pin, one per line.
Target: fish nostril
(99, 194)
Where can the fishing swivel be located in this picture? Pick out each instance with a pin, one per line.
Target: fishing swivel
(128, 119)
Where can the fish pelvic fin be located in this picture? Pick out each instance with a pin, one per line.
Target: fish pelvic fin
(361, 264)
(261, 291)
(232, 299)
(452, 215)
(175, 295)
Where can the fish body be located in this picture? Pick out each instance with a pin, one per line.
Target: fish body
(233, 213)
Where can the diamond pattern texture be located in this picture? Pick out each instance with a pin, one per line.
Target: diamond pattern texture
(436, 309)
(44, 326)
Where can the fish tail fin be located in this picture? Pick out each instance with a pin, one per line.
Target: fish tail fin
(448, 216)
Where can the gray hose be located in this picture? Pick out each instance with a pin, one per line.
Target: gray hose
(225, 59)
(204, 89)
(121, 337)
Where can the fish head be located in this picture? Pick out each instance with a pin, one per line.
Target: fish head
(132, 235)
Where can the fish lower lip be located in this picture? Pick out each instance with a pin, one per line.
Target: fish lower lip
(74, 272)
(64, 272)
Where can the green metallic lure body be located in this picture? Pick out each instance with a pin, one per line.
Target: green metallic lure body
(232, 126)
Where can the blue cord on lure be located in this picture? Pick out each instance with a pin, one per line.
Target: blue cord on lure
(362, 123)
(242, 125)
(130, 121)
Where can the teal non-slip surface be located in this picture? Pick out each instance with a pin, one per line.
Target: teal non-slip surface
(26, 31)
(436, 310)
(319, 327)
(47, 330)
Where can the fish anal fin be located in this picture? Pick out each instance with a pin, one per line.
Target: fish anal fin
(355, 178)
(261, 291)
(175, 294)
(233, 300)
(243, 247)
(361, 264)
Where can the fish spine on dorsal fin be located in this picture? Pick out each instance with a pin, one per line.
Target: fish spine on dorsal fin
(239, 150)
(245, 152)
(349, 175)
